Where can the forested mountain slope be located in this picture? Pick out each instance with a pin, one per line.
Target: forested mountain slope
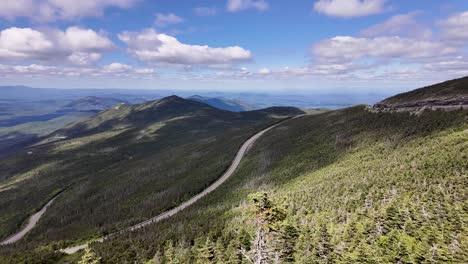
(122, 166)
(347, 186)
(453, 93)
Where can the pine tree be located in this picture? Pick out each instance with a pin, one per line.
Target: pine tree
(324, 248)
(233, 252)
(89, 257)
(206, 253)
(169, 253)
(288, 235)
(268, 216)
(219, 252)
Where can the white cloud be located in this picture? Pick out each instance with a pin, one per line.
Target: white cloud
(399, 25)
(349, 8)
(145, 71)
(116, 68)
(24, 43)
(456, 64)
(205, 11)
(26, 69)
(85, 39)
(239, 5)
(48, 10)
(152, 47)
(163, 20)
(264, 71)
(83, 58)
(343, 49)
(17, 8)
(113, 69)
(78, 45)
(455, 27)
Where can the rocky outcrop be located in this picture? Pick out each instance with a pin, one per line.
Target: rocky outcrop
(445, 104)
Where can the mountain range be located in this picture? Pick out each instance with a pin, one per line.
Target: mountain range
(362, 184)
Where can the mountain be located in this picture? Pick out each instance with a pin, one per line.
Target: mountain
(447, 95)
(222, 103)
(345, 186)
(95, 103)
(122, 166)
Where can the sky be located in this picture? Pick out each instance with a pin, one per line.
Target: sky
(233, 45)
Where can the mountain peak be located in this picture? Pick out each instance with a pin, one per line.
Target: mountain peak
(172, 98)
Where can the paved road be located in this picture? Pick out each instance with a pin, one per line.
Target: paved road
(31, 224)
(235, 163)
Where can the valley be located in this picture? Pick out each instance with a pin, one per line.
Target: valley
(175, 175)
(171, 126)
(233, 132)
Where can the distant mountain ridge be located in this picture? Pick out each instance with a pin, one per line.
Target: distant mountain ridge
(445, 95)
(124, 115)
(94, 103)
(223, 103)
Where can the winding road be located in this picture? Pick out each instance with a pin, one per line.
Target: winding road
(31, 224)
(228, 173)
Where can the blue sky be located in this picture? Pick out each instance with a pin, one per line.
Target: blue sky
(245, 45)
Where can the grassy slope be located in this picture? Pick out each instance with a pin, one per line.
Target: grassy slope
(119, 168)
(448, 90)
(372, 187)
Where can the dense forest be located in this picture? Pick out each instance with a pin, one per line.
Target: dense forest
(121, 167)
(347, 186)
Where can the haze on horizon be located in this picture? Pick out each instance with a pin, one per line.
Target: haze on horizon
(311, 46)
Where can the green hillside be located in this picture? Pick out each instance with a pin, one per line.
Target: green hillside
(453, 92)
(122, 166)
(353, 186)
(344, 186)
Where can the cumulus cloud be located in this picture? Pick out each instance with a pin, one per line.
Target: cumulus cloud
(116, 68)
(113, 69)
(399, 25)
(26, 69)
(239, 5)
(152, 47)
(83, 58)
(205, 11)
(48, 10)
(458, 64)
(264, 71)
(349, 8)
(455, 27)
(348, 49)
(77, 45)
(164, 20)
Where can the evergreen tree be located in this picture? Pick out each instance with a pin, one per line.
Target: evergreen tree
(288, 235)
(206, 253)
(267, 217)
(233, 252)
(324, 249)
(169, 253)
(89, 257)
